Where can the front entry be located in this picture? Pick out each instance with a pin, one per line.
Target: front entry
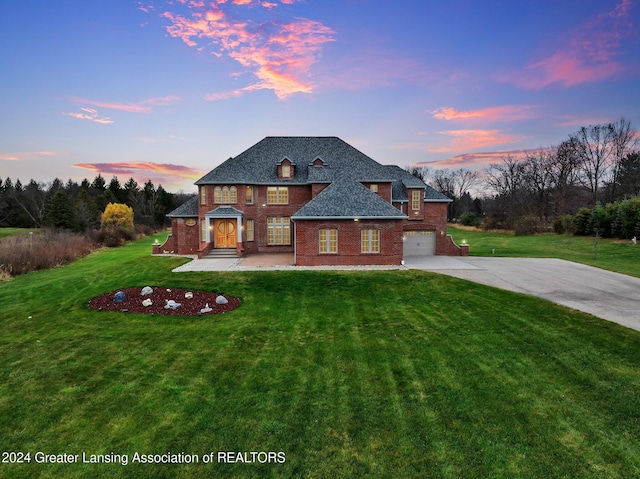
(226, 233)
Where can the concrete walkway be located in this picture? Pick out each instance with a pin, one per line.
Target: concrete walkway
(611, 296)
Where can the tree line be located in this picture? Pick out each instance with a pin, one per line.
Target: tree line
(78, 206)
(595, 165)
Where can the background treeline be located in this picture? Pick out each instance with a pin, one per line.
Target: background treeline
(591, 179)
(78, 206)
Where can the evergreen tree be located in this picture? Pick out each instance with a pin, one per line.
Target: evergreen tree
(61, 213)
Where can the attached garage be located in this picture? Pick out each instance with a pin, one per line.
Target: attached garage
(419, 243)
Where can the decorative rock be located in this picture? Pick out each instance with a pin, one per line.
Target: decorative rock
(146, 290)
(188, 295)
(206, 309)
(147, 302)
(221, 300)
(119, 297)
(171, 304)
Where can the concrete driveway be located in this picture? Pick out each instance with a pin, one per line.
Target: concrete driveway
(611, 296)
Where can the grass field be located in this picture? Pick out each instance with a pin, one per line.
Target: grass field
(4, 232)
(613, 255)
(349, 374)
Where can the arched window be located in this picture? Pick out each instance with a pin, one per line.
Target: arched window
(217, 198)
(225, 194)
(233, 194)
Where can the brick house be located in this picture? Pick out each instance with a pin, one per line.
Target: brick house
(316, 197)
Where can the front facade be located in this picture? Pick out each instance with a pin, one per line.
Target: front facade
(316, 197)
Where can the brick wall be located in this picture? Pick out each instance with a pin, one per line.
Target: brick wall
(307, 243)
(182, 240)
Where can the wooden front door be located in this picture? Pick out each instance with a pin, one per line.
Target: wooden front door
(226, 234)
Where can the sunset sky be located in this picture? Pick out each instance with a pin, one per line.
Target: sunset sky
(168, 89)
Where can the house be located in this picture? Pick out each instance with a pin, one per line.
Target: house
(316, 197)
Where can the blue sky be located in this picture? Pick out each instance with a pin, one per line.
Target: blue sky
(168, 89)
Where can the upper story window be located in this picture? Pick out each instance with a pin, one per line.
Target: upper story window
(415, 200)
(286, 169)
(225, 194)
(248, 195)
(373, 187)
(203, 195)
(277, 195)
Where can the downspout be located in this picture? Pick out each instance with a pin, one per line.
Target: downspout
(295, 243)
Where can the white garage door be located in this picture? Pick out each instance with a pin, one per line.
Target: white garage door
(419, 243)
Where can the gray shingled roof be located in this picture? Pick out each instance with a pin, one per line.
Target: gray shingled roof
(403, 179)
(187, 209)
(229, 211)
(258, 164)
(347, 198)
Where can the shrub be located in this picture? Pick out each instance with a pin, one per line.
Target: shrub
(563, 225)
(469, 219)
(21, 254)
(629, 217)
(117, 215)
(528, 225)
(114, 237)
(582, 221)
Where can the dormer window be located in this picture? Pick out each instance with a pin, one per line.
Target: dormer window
(285, 169)
(318, 162)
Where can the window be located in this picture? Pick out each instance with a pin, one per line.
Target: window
(278, 231)
(249, 227)
(415, 200)
(286, 170)
(370, 241)
(203, 230)
(328, 241)
(248, 195)
(374, 188)
(277, 195)
(225, 194)
(203, 195)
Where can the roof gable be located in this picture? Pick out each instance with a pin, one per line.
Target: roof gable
(347, 198)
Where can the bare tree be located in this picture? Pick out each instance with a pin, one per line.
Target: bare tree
(507, 181)
(454, 184)
(422, 172)
(600, 149)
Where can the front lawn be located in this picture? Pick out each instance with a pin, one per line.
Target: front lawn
(621, 256)
(349, 374)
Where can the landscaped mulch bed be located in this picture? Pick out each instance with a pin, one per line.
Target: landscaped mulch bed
(159, 298)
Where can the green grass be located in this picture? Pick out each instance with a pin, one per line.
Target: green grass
(351, 374)
(613, 255)
(4, 232)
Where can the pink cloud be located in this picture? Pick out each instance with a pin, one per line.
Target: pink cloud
(496, 113)
(278, 53)
(589, 54)
(91, 115)
(473, 140)
(474, 161)
(142, 169)
(143, 106)
(27, 155)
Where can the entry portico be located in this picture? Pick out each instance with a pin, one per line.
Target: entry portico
(222, 228)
